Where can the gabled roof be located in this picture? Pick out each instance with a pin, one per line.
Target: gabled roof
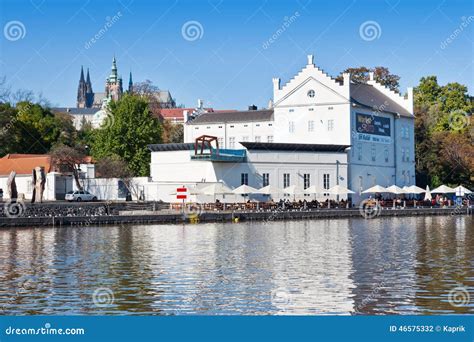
(233, 116)
(23, 164)
(368, 96)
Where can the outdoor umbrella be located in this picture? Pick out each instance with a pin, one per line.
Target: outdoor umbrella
(461, 191)
(443, 189)
(339, 190)
(215, 189)
(268, 190)
(292, 190)
(413, 189)
(244, 190)
(395, 190)
(314, 190)
(427, 194)
(375, 189)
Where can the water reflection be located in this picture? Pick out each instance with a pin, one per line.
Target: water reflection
(380, 266)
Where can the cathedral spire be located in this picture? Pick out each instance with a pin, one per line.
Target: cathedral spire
(130, 83)
(82, 75)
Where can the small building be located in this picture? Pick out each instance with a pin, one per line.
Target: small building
(257, 164)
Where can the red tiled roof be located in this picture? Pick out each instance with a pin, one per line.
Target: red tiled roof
(24, 164)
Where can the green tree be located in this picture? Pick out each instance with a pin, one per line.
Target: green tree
(127, 132)
(381, 75)
(8, 135)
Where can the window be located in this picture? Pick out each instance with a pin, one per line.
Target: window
(286, 180)
(407, 155)
(270, 138)
(266, 179)
(311, 93)
(386, 154)
(306, 181)
(220, 141)
(208, 127)
(310, 109)
(330, 125)
(246, 125)
(330, 108)
(270, 124)
(291, 110)
(231, 126)
(359, 152)
(220, 126)
(403, 154)
(196, 127)
(231, 142)
(244, 179)
(373, 152)
(257, 125)
(326, 182)
(245, 138)
(291, 126)
(258, 138)
(310, 126)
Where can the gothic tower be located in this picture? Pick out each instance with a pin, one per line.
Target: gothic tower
(113, 84)
(82, 91)
(89, 92)
(130, 83)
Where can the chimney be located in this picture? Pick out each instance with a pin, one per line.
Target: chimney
(199, 104)
(252, 107)
(276, 84)
(310, 60)
(346, 77)
(185, 115)
(371, 76)
(410, 99)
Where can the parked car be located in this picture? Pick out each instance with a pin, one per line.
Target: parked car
(80, 195)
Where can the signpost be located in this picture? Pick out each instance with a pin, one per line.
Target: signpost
(182, 194)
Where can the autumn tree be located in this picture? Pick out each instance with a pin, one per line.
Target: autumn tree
(381, 75)
(68, 159)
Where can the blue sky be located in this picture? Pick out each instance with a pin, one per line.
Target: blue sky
(230, 64)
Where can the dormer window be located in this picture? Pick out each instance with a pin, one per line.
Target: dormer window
(311, 93)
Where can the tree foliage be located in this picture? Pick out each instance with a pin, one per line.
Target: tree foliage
(444, 133)
(68, 159)
(381, 75)
(127, 134)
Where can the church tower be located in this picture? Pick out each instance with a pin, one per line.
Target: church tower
(130, 83)
(82, 91)
(89, 91)
(113, 84)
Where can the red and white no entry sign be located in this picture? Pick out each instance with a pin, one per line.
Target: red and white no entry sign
(181, 193)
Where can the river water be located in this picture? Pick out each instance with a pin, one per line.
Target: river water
(410, 265)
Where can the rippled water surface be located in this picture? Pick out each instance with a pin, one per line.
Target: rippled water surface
(414, 265)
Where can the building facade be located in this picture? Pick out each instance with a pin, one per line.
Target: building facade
(313, 108)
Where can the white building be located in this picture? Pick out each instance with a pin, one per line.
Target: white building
(313, 108)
